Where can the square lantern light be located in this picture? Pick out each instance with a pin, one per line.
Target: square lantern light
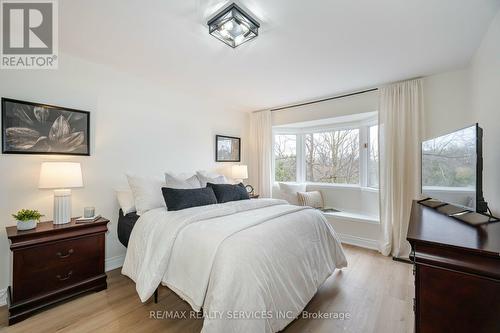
(233, 26)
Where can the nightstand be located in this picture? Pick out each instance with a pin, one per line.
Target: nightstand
(52, 263)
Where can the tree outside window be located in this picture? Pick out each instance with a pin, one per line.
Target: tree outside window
(285, 158)
(332, 157)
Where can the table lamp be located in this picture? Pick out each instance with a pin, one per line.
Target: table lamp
(239, 173)
(61, 176)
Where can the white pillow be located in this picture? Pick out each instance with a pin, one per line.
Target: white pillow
(126, 200)
(289, 192)
(208, 173)
(147, 193)
(214, 179)
(181, 182)
(312, 199)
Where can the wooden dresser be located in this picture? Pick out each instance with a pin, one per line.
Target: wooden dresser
(457, 273)
(53, 263)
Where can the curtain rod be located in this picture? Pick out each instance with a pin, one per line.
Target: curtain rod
(323, 100)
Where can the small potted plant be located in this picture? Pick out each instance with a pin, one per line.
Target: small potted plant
(27, 219)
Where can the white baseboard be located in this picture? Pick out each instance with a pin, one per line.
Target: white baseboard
(109, 264)
(114, 262)
(367, 243)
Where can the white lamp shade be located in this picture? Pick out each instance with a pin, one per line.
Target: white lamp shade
(240, 172)
(60, 175)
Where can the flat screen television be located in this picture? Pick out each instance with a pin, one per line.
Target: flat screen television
(452, 167)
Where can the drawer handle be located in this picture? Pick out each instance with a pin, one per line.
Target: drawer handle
(62, 256)
(60, 278)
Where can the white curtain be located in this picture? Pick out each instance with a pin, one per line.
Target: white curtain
(261, 145)
(400, 134)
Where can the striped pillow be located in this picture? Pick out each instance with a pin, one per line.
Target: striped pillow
(313, 199)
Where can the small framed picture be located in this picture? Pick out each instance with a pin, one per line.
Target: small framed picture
(227, 149)
(33, 128)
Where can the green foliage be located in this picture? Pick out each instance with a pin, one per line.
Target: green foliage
(25, 215)
(285, 169)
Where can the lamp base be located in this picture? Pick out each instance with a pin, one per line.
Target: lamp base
(62, 206)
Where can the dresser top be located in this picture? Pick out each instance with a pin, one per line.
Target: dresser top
(429, 226)
(48, 228)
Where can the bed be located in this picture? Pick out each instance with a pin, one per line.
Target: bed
(249, 265)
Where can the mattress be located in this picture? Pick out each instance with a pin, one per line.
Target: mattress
(125, 225)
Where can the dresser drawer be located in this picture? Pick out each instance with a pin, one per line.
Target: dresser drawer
(52, 266)
(51, 255)
(54, 279)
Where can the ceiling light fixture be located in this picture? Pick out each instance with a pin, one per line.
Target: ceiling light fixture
(233, 26)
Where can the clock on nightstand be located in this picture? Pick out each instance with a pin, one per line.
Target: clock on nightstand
(54, 262)
(251, 192)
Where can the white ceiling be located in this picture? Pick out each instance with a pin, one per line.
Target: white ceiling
(305, 50)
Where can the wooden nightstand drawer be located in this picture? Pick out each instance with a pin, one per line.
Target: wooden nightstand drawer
(52, 255)
(54, 279)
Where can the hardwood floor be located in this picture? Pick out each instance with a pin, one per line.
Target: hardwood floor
(374, 290)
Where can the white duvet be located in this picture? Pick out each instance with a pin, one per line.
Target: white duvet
(251, 265)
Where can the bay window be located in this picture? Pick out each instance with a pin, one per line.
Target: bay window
(329, 154)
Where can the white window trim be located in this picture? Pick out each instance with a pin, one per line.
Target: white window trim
(367, 154)
(301, 153)
(364, 143)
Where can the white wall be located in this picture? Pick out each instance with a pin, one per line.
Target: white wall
(485, 72)
(135, 127)
(447, 102)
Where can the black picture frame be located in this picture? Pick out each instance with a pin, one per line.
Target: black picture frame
(222, 156)
(30, 121)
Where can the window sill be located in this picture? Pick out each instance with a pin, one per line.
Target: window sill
(350, 186)
(370, 189)
(353, 217)
(330, 185)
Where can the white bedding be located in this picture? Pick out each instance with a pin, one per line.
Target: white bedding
(262, 259)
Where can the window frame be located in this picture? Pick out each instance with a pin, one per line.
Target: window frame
(300, 132)
(368, 149)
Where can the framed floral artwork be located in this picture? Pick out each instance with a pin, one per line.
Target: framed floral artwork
(33, 128)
